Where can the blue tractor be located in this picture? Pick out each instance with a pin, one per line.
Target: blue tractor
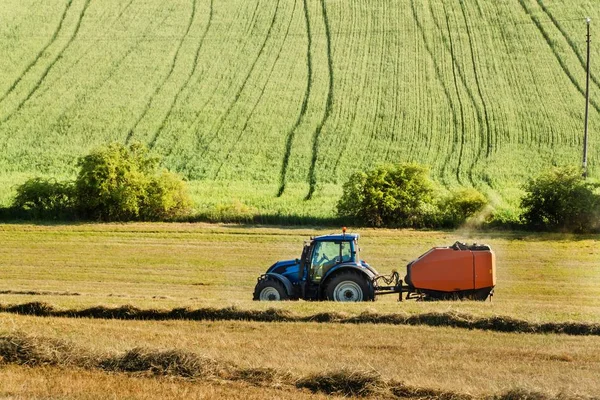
(328, 269)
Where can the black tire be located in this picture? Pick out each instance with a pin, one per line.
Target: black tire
(269, 289)
(348, 286)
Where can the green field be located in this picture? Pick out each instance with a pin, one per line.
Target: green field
(246, 98)
(541, 278)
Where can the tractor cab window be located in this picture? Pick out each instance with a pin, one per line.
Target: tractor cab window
(325, 255)
(346, 252)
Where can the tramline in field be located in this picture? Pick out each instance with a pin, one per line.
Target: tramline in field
(330, 269)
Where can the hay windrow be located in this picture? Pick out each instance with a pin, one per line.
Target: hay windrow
(22, 349)
(434, 319)
(343, 382)
(402, 391)
(165, 363)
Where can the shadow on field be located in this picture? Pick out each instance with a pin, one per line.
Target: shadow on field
(38, 293)
(434, 319)
(22, 349)
(18, 215)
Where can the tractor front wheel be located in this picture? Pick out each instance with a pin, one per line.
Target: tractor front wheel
(270, 290)
(348, 286)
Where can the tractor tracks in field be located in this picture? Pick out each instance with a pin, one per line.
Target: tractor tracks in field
(113, 69)
(162, 124)
(446, 91)
(312, 174)
(478, 84)
(166, 78)
(568, 39)
(244, 83)
(52, 63)
(124, 10)
(198, 111)
(195, 124)
(556, 54)
(449, 319)
(262, 93)
(91, 47)
(40, 53)
(289, 141)
(460, 102)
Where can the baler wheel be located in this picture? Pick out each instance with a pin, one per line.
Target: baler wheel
(270, 290)
(348, 286)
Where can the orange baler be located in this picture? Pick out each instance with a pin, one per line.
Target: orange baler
(454, 272)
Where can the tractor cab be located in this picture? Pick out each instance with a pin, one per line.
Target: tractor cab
(325, 259)
(323, 255)
(325, 252)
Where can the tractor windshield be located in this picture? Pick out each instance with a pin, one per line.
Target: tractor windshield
(326, 255)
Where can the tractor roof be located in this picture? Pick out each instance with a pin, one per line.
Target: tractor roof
(349, 237)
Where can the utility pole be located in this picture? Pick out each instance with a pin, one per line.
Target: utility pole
(587, 100)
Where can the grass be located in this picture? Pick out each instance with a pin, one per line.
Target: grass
(84, 384)
(480, 363)
(542, 278)
(249, 101)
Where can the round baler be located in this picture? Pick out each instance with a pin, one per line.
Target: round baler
(455, 272)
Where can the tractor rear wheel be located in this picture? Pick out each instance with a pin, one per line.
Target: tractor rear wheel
(270, 290)
(348, 286)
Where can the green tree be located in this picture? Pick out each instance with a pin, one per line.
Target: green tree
(561, 200)
(114, 183)
(460, 205)
(45, 198)
(118, 183)
(396, 195)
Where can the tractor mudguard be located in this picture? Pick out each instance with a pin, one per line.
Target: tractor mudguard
(367, 273)
(284, 281)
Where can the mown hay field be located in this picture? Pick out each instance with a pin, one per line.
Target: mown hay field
(248, 99)
(541, 278)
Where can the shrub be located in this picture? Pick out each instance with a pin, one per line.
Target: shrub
(45, 198)
(561, 200)
(460, 205)
(118, 183)
(114, 183)
(166, 198)
(396, 195)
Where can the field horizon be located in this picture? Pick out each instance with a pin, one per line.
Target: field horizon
(263, 104)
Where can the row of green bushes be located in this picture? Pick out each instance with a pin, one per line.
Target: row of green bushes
(403, 195)
(114, 183)
(119, 183)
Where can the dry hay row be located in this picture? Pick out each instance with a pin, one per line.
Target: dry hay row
(22, 349)
(434, 319)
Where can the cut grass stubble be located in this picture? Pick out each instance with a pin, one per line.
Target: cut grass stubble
(31, 351)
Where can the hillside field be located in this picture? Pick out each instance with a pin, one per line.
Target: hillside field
(252, 98)
(541, 278)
